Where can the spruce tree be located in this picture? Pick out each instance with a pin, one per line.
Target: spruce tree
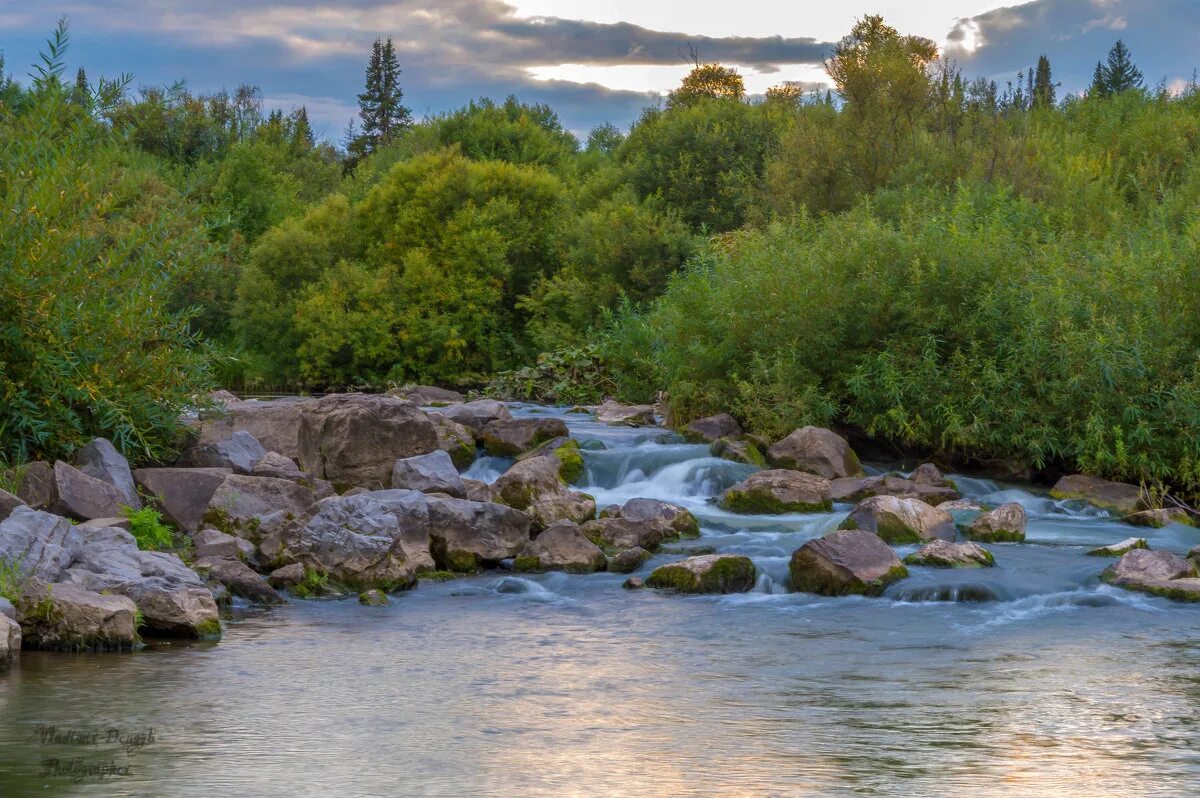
(80, 94)
(369, 100)
(1043, 85)
(383, 114)
(302, 135)
(1120, 73)
(1099, 86)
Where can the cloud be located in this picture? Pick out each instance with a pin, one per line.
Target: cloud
(450, 51)
(1163, 35)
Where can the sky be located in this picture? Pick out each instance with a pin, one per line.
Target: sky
(592, 60)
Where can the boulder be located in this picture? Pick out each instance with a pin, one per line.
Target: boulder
(454, 439)
(214, 544)
(182, 494)
(411, 509)
(565, 506)
(817, 451)
(508, 437)
(478, 491)
(929, 474)
(1117, 497)
(100, 460)
(35, 483)
(277, 466)
(76, 495)
(739, 451)
(779, 491)
(961, 506)
(355, 439)
(239, 579)
(945, 554)
(1005, 523)
(66, 617)
(1120, 549)
(708, 573)
(10, 642)
(275, 423)
(621, 533)
(466, 535)
(1160, 573)
(1159, 518)
(626, 561)
(617, 414)
(373, 598)
(429, 473)
(8, 503)
(287, 576)
(427, 395)
(712, 428)
(240, 452)
(901, 520)
(570, 458)
(855, 489)
(41, 543)
(561, 547)
(529, 481)
(475, 415)
(256, 507)
(7, 609)
(678, 519)
(222, 398)
(849, 561)
(633, 583)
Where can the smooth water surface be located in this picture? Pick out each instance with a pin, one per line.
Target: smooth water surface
(1030, 679)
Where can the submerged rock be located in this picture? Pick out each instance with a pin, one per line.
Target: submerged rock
(239, 579)
(561, 547)
(506, 437)
(617, 414)
(374, 598)
(1119, 549)
(1118, 497)
(66, 617)
(1160, 573)
(429, 473)
(1004, 524)
(711, 428)
(633, 583)
(901, 520)
(849, 561)
(100, 460)
(816, 451)
(709, 573)
(626, 561)
(945, 554)
(779, 491)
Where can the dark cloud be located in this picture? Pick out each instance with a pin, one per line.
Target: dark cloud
(1164, 36)
(451, 50)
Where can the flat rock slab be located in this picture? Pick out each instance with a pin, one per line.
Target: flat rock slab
(1118, 497)
(944, 554)
(1120, 549)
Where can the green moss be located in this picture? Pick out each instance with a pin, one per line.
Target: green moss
(1107, 551)
(762, 503)
(727, 575)
(209, 629)
(439, 576)
(527, 564)
(996, 535)
(673, 577)
(571, 462)
(314, 584)
(462, 561)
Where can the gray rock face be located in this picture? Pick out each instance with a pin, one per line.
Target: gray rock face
(627, 561)
(617, 414)
(287, 576)
(620, 533)
(65, 617)
(275, 424)
(8, 503)
(454, 439)
(816, 451)
(475, 415)
(100, 460)
(561, 547)
(257, 507)
(1117, 497)
(855, 489)
(1005, 523)
(708, 573)
(182, 494)
(355, 541)
(901, 520)
(10, 642)
(240, 452)
(779, 491)
(214, 544)
(466, 534)
(505, 437)
(355, 439)
(1118, 549)
(427, 395)
(39, 542)
(944, 554)
(479, 491)
(35, 484)
(76, 495)
(679, 520)
(274, 464)
(239, 579)
(1159, 573)
(712, 428)
(849, 561)
(429, 473)
(536, 486)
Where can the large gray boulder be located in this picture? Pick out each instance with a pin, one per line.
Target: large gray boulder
(778, 491)
(275, 424)
(849, 561)
(620, 533)
(66, 617)
(274, 464)
(240, 452)
(454, 439)
(712, 428)
(617, 414)
(355, 439)
(1118, 497)
(817, 451)
(10, 642)
(944, 554)
(76, 495)
(239, 579)
(466, 535)
(182, 494)
(429, 473)
(257, 507)
(678, 520)
(561, 547)
(1160, 517)
(536, 486)
(901, 520)
(39, 542)
(214, 544)
(1159, 573)
(100, 459)
(1006, 523)
(475, 415)
(508, 437)
(708, 573)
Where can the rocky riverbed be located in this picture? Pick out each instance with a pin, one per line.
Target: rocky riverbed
(519, 527)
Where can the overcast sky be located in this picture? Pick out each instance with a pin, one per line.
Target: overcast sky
(593, 60)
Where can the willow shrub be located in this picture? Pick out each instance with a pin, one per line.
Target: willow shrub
(93, 247)
(968, 322)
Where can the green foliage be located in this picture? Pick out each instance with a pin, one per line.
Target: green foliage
(12, 579)
(148, 530)
(313, 585)
(564, 376)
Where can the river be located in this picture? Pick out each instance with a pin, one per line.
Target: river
(1029, 679)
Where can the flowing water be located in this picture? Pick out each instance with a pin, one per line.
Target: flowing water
(1029, 679)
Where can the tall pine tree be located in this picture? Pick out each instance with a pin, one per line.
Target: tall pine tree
(383, 114)
(1117, 73)
(1043, 85)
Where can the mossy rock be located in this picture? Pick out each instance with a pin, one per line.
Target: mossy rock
(527, 564)
(754, 502)
(571, 458)
(438, 576)
(711, 573)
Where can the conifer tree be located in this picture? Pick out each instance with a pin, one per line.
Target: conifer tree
(383, 114)
(1043, 85)
(1120, 72)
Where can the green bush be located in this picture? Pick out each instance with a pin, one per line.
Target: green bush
(148, 530)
